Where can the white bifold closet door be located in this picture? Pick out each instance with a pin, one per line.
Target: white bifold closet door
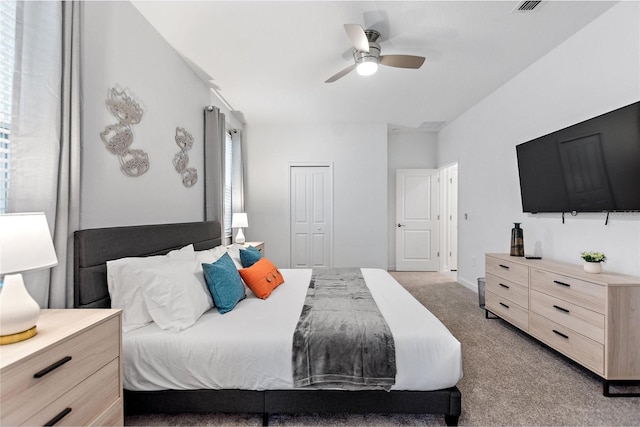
(311, 205)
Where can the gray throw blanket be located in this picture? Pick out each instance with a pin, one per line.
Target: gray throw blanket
(342, 340)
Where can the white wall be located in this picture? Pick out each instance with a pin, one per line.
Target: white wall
(595, 71)
(121, 48)
(406, 150)
(359, 157)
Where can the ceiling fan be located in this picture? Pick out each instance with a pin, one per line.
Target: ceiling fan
(366, 54)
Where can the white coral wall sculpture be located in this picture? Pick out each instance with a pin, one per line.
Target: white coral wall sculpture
(118, 137)
(184, 140)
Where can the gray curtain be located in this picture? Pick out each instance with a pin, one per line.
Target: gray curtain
(237, 177)
(45, 136)
(214, 137)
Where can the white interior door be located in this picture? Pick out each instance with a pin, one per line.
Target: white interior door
(311, 205)
(417, 237)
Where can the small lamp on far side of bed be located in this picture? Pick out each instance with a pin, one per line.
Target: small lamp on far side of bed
(239, 221)
(25, 245)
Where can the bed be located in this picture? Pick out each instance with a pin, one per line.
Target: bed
(152, 390)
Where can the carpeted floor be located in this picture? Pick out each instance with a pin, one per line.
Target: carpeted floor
(509, 378)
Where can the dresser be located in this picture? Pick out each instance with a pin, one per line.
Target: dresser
(70, 373)
(594, 319)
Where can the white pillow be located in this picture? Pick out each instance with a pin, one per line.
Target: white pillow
(210, 256)
(124, 290)
(174, 296)
(234, 253)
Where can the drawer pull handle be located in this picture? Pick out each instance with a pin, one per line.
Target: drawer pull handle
(560, 308)
(50, 368)
(504, 266)
(562, 283)
(504, 305)
(504, 286)
(561, 334)
(58, 417)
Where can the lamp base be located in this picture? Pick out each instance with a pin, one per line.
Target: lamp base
(19, 312)
(240, 236)
(20, 336)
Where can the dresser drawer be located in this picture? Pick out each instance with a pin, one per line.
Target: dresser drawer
(578, 347)
(512, 271)
(508, 289)
(585, 322)
(586, 294)
(27, 384)
(81, 404)
(507, 309)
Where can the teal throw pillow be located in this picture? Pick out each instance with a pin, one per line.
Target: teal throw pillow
(224, 283)
(249, 256)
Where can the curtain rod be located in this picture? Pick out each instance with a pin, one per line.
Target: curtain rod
(210, 108)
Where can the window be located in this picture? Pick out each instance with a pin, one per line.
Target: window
(7, 55)
(228, 165)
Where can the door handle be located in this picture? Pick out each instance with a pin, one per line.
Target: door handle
(401, 225)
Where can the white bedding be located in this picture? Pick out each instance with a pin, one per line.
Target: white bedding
(250, 347)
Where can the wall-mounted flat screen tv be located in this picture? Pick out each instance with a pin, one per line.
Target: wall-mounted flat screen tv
(592, 166)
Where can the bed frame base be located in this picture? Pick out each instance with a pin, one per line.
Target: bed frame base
(94, 247)
(268, 402)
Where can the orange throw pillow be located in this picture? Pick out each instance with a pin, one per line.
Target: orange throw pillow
(262, 277)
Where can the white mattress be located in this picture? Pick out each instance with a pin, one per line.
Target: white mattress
(250, 347)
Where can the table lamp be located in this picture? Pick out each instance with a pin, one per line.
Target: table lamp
(25, 245)
(239, 221)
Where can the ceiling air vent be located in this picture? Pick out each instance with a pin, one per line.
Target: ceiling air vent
(527, 6)
(432, 126)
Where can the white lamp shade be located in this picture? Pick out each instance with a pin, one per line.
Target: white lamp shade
(25, 243)
(239, 220)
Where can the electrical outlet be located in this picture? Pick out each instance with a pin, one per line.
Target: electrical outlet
(473, 261)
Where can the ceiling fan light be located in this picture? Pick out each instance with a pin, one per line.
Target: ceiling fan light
(367, 68)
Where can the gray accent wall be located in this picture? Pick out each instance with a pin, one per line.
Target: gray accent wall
(121, 47)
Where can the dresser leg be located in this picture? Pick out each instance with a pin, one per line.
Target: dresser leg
(606, 392)
(486, 315)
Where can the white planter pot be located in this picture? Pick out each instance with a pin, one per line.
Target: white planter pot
(592, 267)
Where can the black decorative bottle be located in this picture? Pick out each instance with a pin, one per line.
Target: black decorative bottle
(517, 240)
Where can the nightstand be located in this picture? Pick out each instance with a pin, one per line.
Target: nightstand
(258, 245)
(70, 373)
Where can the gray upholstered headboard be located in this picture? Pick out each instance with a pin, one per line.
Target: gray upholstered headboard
(94, 247)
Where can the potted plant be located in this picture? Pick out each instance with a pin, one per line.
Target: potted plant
(593, 261)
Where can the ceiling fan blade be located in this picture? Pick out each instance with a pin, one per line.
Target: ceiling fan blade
(341, 74)
(377, 20)
(402, 61)
(357, 36)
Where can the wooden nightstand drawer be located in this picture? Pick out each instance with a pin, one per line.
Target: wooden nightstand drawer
(509, 270)
(81, 404)
(585, 322)
(585, 294)
(113, 416)
(508, 289)
(508, 310)
(36, 380)
(578, 347)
